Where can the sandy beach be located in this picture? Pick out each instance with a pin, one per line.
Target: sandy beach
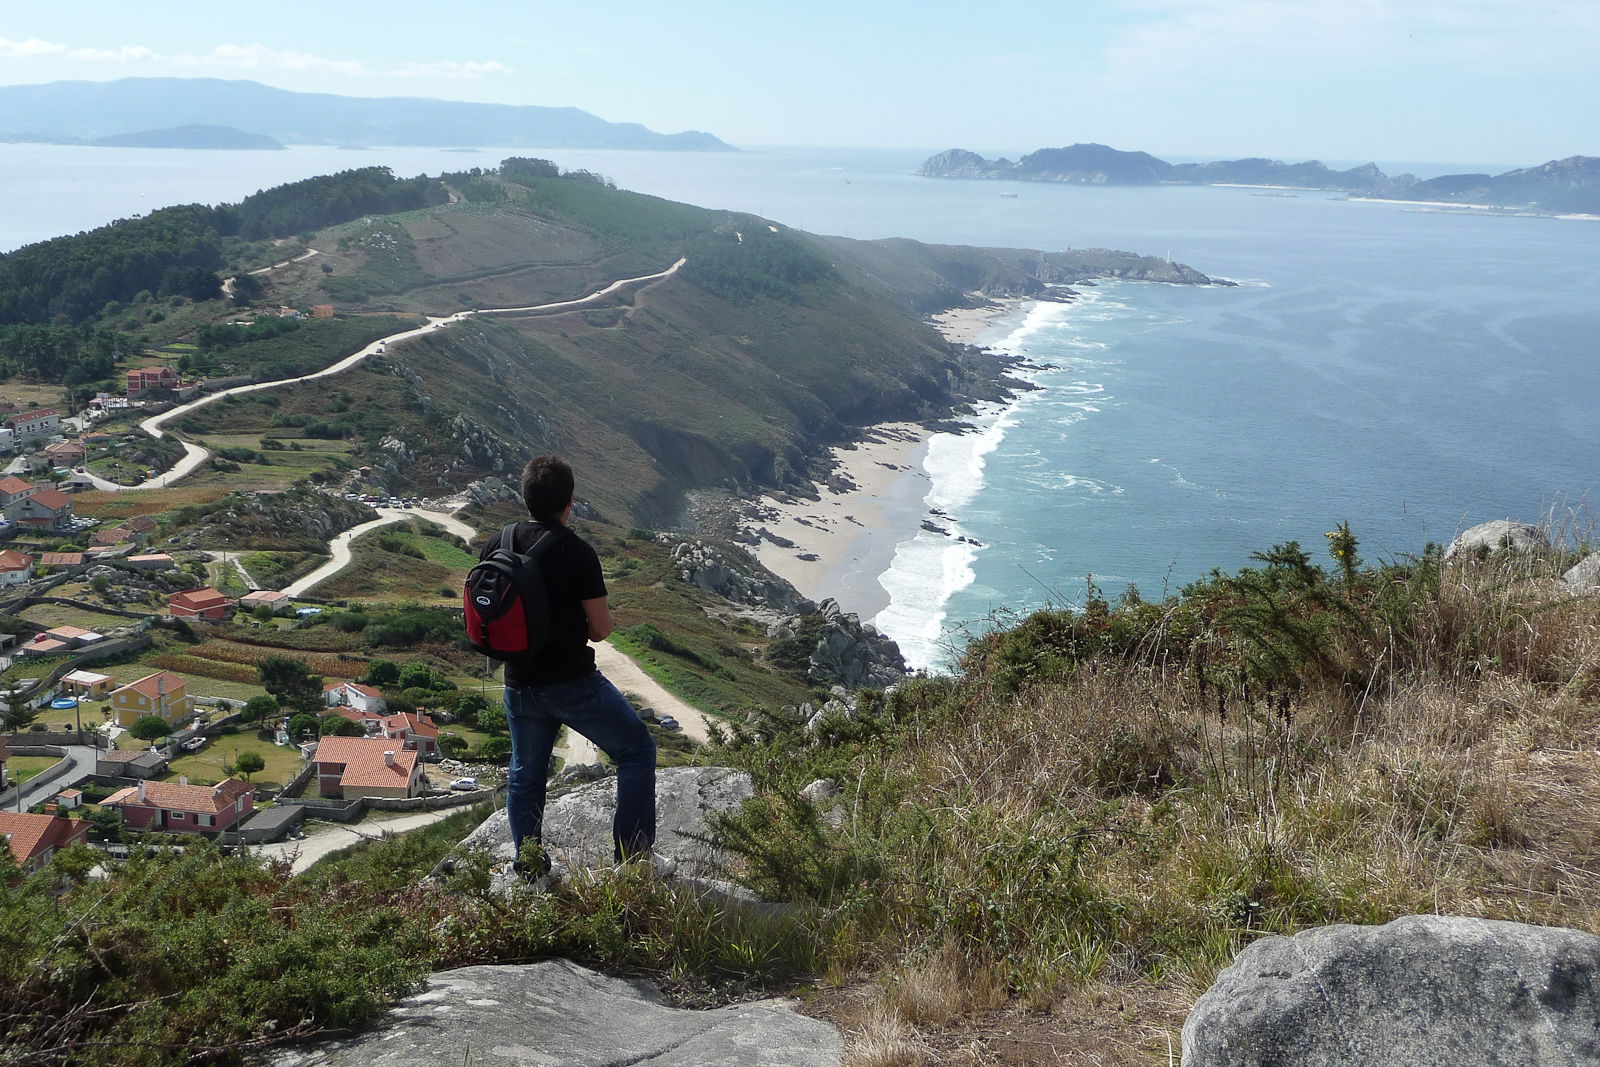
(837, 545)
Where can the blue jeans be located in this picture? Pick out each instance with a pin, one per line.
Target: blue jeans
(593, 707)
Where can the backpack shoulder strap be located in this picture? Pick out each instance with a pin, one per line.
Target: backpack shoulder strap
(546, 539)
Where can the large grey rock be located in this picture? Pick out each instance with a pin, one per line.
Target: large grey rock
(577, 826)
(557, 1014)
(1497, 534)
(1421, 991)
(1585, 575)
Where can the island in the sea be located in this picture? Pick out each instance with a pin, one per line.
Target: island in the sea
(1562, 186)
(195, 135)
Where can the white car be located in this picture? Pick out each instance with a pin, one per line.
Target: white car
(464, 784)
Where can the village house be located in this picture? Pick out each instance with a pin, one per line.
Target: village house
(183, 808)
(8, 440)
(15, 567)
(130, 763)
(41, 509)
(86, 685)
(144, 379)
(270, 597)
(352, 767)
(40, 645)
(33, 839)
(74, 636)
(202, 603)
(162, 694)
(354, 695)
(65, 453)
(62, 561)
(13, 489)
(33, 426)
(414, 732)
(151, 561)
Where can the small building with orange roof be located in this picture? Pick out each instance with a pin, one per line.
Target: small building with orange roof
(182, 808)
(351, 767)
(202, 603)
(33, 839)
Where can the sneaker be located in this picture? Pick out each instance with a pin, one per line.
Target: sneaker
(536, 875)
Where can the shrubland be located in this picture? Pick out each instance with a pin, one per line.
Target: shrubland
(1105, 801)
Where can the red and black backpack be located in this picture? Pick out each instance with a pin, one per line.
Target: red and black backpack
(506, 603)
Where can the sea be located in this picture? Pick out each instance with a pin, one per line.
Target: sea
(1409, 370)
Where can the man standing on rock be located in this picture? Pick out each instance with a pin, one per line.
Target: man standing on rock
(560, 685)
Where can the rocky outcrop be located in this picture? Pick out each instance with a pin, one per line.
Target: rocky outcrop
(832, 646)
(1417, 992)
(577, 826)
(486, 491)
(1585, 576)
(1499, 534)
(738, 580)
(851, 653)
(557, 1012)
(478, 447)
(299, 519)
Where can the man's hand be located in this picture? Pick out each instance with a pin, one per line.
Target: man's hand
(599, 616)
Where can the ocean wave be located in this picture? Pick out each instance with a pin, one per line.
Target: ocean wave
(925, 573)
(931, 569)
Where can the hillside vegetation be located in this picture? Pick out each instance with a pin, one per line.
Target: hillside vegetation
(1070, 835)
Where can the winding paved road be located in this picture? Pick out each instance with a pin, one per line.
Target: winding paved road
(194, 455)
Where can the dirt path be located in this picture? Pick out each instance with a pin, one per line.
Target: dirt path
(628, 676)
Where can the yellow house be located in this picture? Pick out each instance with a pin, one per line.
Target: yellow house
(163, 694)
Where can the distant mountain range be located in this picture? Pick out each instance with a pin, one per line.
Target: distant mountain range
(1560, 186)
(78, 112)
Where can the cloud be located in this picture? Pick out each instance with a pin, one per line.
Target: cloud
(1168, 40)
(33, 48)
(253, 57)
(449, 69)
(259, 56)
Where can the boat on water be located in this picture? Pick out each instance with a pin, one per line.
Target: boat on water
(1009, 196)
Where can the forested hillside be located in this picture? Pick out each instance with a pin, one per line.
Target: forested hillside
(178, 251)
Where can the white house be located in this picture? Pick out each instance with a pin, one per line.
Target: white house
(15, 567)
(354, 695)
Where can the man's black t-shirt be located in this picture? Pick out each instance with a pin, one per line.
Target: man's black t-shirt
(571, 575)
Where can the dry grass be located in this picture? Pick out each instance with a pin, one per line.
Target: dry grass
(1112, 825)
(97, 504)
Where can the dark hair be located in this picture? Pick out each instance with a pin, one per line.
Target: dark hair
(547, 486)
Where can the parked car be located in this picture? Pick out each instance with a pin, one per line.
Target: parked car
(667, 722)
(464, 784)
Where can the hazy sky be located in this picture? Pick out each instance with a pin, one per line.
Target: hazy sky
(1492, 81)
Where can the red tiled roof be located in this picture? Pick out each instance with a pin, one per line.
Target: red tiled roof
(208, 799)
(12, 484)
(28, 835)
(415, 724)
(155, 685)
(60, 559)
(54, 499)
(363, 761)
(70, 633)
(12, 560)
(204, 597)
